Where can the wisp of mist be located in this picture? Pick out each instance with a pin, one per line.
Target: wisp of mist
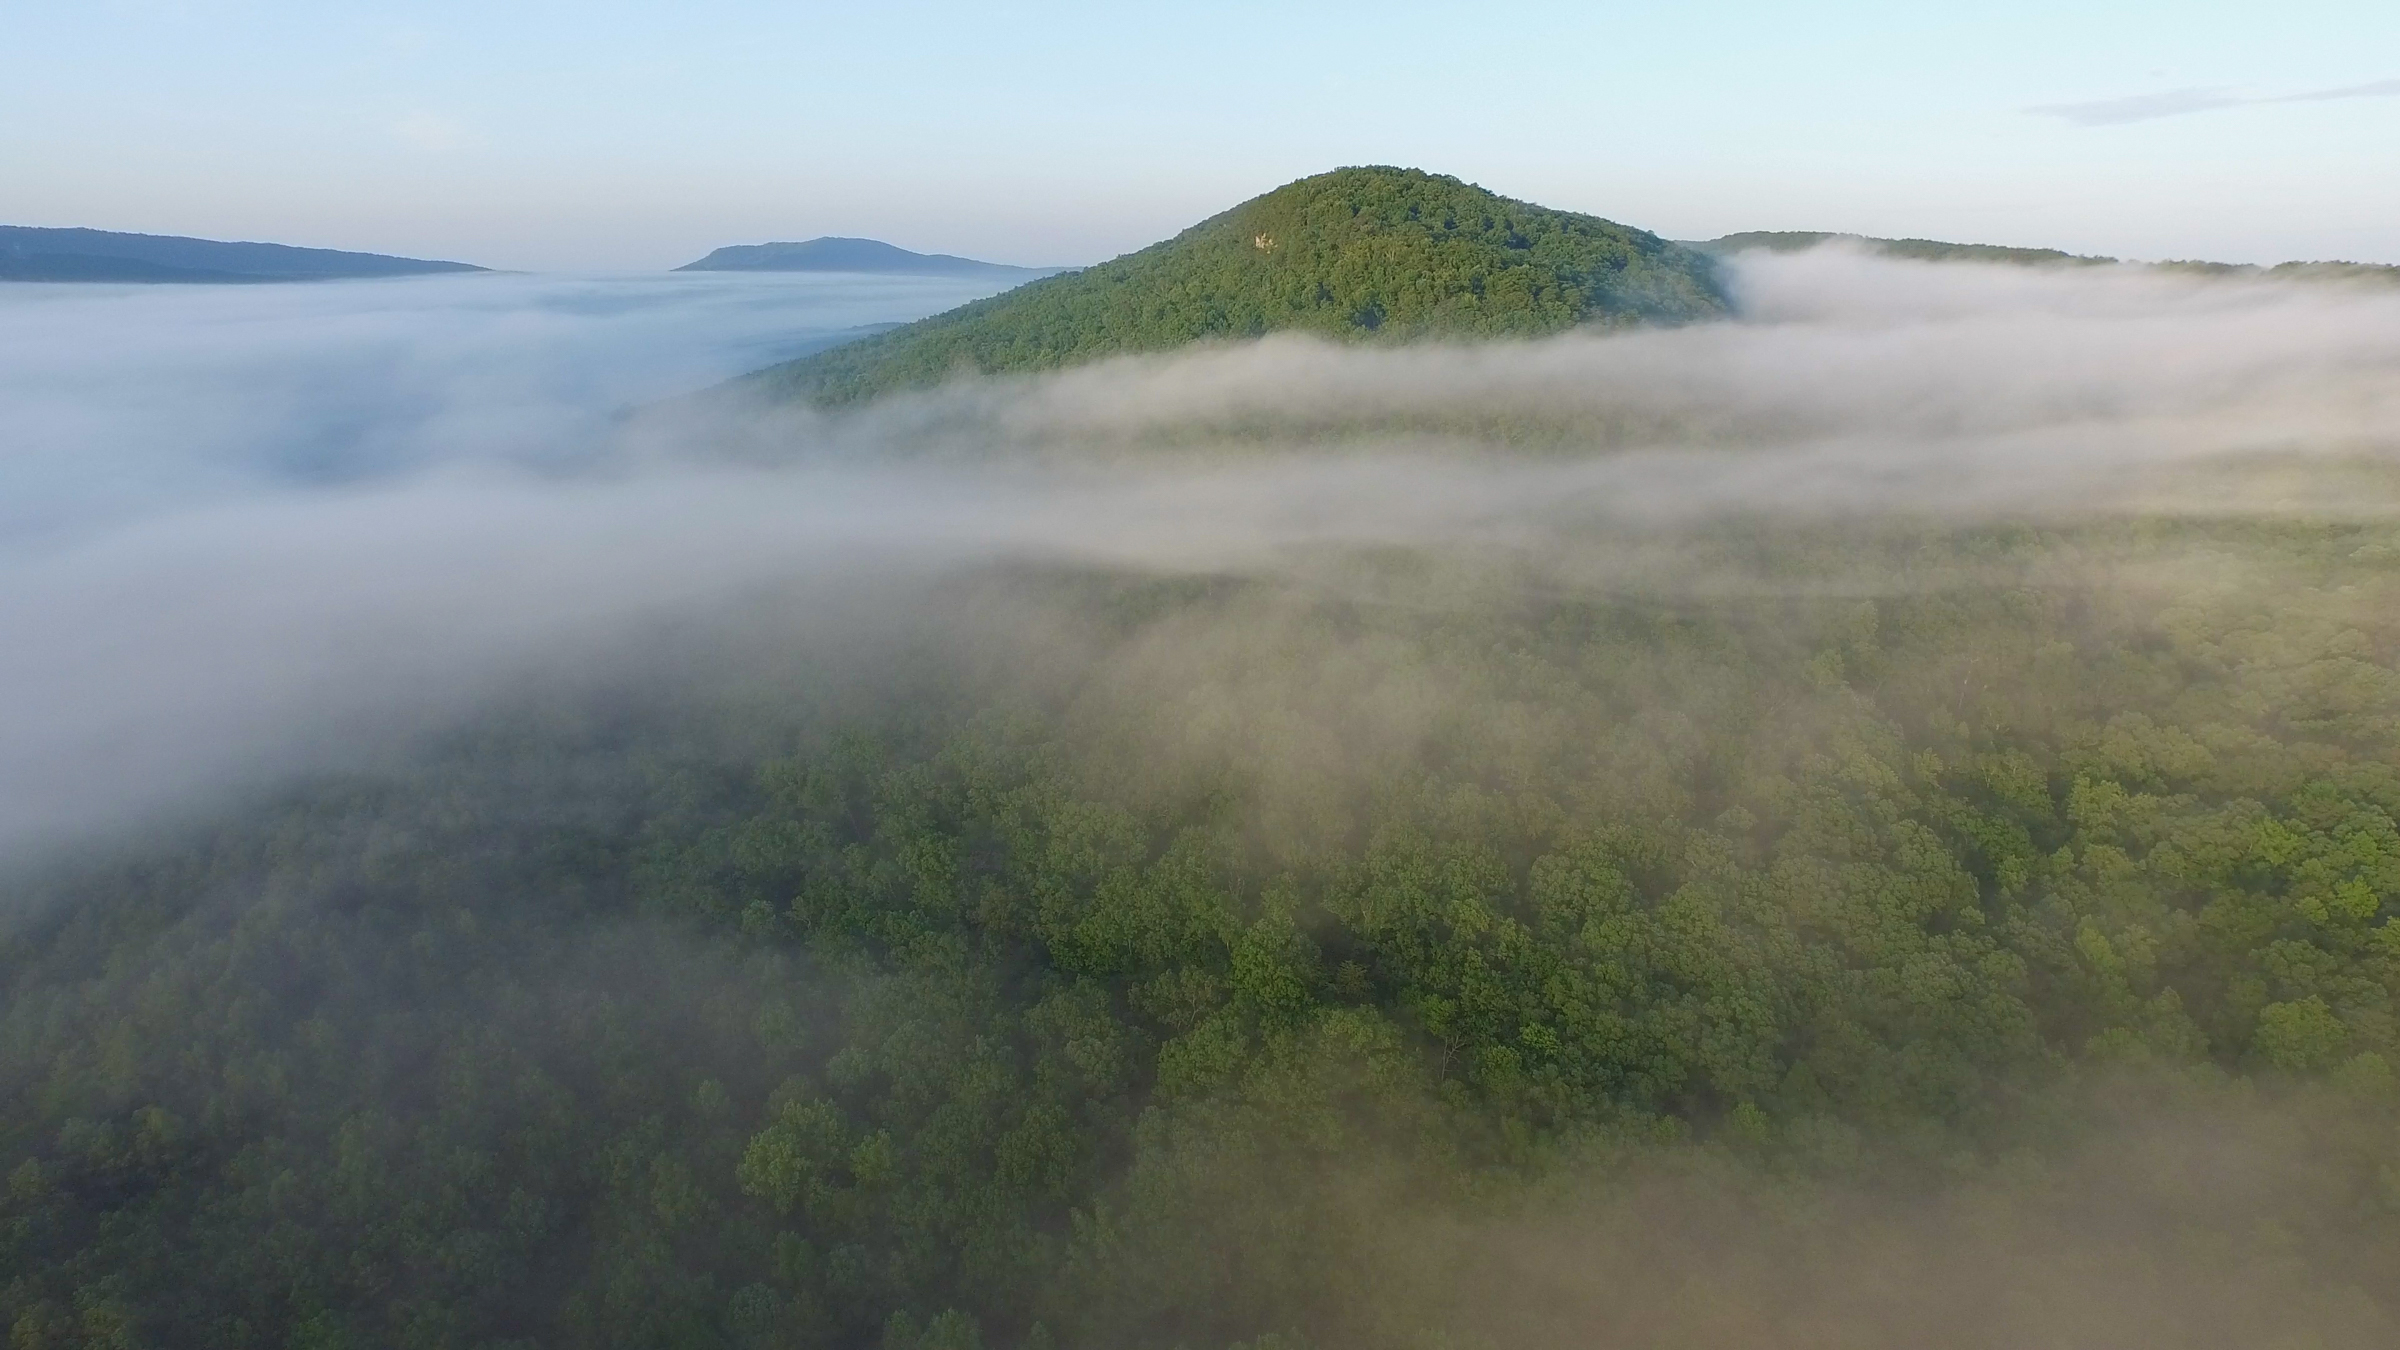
(122, 401)
(245, 530)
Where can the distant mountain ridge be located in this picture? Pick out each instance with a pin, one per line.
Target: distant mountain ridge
(1936, 250)
(33, 253)
(1920, 250)
(1369, 254)
(833, 253)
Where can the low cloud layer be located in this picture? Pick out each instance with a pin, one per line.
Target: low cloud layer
(191, 604)
(1852, 382)
(122, 402)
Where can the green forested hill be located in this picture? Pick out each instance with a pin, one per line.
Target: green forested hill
(1358, 254)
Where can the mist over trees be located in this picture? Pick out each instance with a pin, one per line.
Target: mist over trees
(1878, 825)
(1118, 960)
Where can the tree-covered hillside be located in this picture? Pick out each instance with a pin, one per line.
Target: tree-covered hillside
(1365, 254)
(1981, 937)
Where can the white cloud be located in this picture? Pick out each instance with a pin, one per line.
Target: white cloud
(432, 131)
(2179, 102)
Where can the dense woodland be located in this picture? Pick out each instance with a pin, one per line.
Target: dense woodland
(1365, 254)
(1862, 934)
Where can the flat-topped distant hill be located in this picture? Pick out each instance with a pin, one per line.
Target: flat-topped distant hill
(1362, 254)
(1936, 250)
(1921, 250)
(30, 253)
(835, 254)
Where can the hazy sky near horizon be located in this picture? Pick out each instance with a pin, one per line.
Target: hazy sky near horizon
(604, 134)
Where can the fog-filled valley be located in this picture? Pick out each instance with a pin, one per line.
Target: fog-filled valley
(126, 401)
(1868, 823)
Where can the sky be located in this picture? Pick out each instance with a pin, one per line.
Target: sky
(603, 135)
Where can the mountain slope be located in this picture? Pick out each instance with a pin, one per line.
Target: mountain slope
(1360, 254)
(28, 253)
(835, 254)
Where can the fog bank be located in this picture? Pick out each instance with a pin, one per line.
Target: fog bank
(239, 547)
(122, 401)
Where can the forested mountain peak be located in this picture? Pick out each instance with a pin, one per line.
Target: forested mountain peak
(1359, 254)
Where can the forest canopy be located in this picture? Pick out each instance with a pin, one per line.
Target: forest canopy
(1198, 969)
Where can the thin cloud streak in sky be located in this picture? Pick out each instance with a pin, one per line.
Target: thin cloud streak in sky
(432, 131)
(2110, 112)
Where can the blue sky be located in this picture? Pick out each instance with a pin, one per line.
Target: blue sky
(604, 135)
